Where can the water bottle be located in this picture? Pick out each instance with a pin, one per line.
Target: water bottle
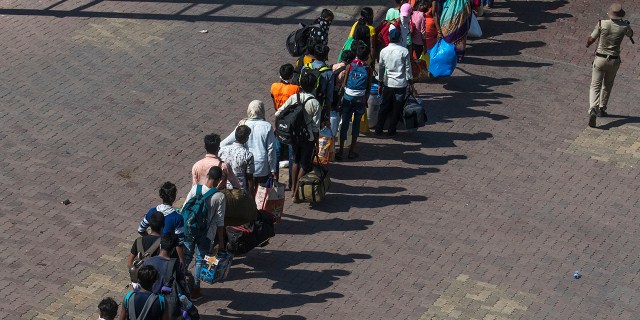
(186, 304)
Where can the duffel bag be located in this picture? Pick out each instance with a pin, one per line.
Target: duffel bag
(241, 239)
(414, 115)
(240, 207)
(313, 186)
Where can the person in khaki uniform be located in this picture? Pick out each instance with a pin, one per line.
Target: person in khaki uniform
(607, 61)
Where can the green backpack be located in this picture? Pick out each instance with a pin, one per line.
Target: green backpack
(194, 213)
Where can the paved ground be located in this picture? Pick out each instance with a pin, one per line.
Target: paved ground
(484, 214)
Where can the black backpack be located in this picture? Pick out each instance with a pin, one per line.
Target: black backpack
(291, 128)
(173, 304)
(241, 240)
(316, 72)
(297, 40)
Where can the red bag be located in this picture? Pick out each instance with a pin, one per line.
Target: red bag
(419, 70)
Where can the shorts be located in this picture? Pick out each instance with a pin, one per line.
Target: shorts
(303, 154)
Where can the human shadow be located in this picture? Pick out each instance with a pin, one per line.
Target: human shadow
(92, 9)
(524, 16)
(255, 301)
(619, 122)
(277, 266)
(501, 48)
(298, 225)
(225, 314)
(505, 63)
(443, 139)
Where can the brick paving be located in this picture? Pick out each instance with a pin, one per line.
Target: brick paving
(483, 214)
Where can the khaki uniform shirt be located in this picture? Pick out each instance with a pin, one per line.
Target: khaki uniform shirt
(611, 33)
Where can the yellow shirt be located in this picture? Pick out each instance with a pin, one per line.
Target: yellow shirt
(372, 30)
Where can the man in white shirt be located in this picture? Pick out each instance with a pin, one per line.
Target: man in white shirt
(215, 227)
(395, 76)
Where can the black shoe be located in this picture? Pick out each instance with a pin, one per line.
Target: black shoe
(391, 134)
(602, 113)
(378, 132)
(592, 118)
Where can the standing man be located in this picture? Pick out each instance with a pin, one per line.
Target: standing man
(395, 76)
(607, 61)
(240, 158)
(202, 244)
(303, 151)
(201, 168)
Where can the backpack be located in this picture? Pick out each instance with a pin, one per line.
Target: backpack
(195, 214)
(131, 306)
(308, 69)
(141, 257)
(174, 306)
(298, 39)
(291, 128)
(358, 77)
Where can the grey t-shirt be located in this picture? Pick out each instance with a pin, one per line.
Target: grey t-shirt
(611, 33)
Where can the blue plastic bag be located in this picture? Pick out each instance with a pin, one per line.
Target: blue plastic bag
(443, 59)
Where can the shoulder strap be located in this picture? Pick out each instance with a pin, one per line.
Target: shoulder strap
(139, 245)
(198, 189)
(346, 76)
(131, 306)
(153, 247)
(147, 306)
(210, 192)
(170, 270)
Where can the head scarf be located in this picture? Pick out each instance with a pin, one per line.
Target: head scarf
(256, 110)
(405, 10)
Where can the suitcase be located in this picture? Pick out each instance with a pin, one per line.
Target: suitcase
(240, 207)
(313, 186)
(241, 239)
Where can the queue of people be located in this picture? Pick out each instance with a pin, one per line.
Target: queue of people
(311, 95)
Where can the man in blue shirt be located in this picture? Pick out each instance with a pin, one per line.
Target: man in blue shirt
(173, 222)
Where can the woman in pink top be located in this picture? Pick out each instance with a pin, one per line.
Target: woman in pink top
(418, 30)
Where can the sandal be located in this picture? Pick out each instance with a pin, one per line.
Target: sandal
(352, 155)
(339, 156)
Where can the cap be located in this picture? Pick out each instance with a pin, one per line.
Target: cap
(405, 10)
(616, 11)
(394, 34)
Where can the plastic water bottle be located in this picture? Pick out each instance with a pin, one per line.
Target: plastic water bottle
(577, 275)
(186, 304)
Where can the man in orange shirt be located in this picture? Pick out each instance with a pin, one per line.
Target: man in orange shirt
(282, 90)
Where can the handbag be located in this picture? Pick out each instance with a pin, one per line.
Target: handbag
(270, 197)
(474, 29)
(443, 59)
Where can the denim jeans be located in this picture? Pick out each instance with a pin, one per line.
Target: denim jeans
(355, 108)
(200, 247)
(393, 100)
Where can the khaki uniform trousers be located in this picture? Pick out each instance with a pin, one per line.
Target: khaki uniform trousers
(602, 76)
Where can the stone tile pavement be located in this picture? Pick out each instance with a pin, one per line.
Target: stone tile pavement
(485, 213)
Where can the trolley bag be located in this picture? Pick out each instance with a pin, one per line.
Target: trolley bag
(216, 269)
(313, 186)
(241, 239)
(240, 207)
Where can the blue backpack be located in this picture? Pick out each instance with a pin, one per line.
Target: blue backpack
(358, 77)
(195, 214)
